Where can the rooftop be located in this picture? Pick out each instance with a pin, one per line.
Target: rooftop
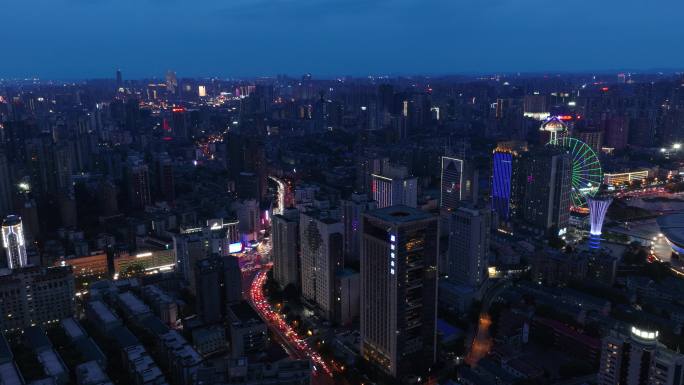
(72, 328)
(244, 312)
(400, 214)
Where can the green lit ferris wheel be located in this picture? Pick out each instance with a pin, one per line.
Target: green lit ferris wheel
(587, 174)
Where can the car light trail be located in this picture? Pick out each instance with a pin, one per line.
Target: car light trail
(276, 321)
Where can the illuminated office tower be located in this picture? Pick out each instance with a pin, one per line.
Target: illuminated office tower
(598, 207)
(399, 289)
(13, 241)
(394, 187)
(503, 176)
(467, 259)
(501, 183)
(452, 180)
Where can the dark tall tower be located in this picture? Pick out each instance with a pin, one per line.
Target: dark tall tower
(544, 186)
(119, 80)
(399, 289)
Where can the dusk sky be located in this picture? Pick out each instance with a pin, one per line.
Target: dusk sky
(69, 39)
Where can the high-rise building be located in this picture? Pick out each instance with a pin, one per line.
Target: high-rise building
(543, 191)
(138, 184)
(617, 132)
(285, 252)
(352, 209)
(219, 284)
(399, 289)
(14, 242)
(639, 359)
(171, 82)
(502, 177)
(394, 187)
(6, 204)
(452, 183)
(165, 179)
(119, 80)
(467, 256)
(321, 240)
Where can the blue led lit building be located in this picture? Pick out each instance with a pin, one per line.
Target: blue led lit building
(503, 175)
(501, 183)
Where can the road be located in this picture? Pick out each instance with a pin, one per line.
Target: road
(296, 346)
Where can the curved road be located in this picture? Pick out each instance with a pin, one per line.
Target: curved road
(296, 346)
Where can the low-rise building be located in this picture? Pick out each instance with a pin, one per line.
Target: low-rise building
(90, 373)
(163, 305)
(102, 317)
(182, 359)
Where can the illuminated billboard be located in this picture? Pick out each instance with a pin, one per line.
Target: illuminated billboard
(235, 247)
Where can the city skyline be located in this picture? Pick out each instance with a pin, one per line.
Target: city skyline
(87, 39)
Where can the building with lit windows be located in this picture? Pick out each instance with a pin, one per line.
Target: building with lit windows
(399, 289)
(394, 187)
(639, 359)
(93, 265)
(619, 178)
(14, 242)
(34, 295)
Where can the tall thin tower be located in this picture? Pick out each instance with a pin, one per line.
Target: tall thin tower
(598, 207)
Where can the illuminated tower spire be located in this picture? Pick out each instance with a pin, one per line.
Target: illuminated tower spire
(13, 241)
(598, 207)
(553, 126)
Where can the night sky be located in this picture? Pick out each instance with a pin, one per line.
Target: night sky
(73, 39)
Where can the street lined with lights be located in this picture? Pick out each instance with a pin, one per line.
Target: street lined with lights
(297, 345)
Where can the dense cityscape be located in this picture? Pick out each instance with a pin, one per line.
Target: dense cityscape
(505, 229)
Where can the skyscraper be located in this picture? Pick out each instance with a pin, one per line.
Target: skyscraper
(6, 204)
(469, 229)
(452, 182)
(119, 80)
(399, 289)
(394, 187)
(321, 241)
(543, 191)
(352, 209)
(285, 252)
(219, 283)
(502, 177)
(14, 242)
(138, 184)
